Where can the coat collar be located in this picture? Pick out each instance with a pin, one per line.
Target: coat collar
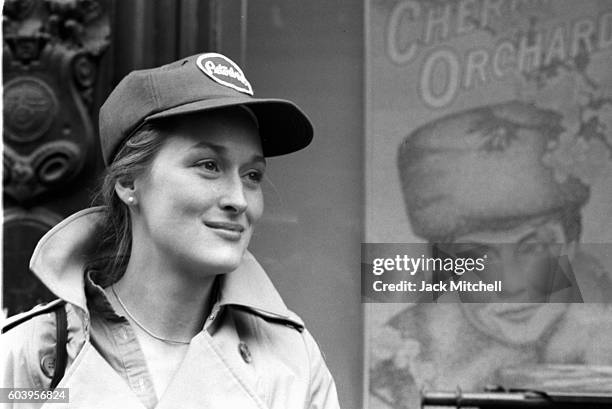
(59, 260)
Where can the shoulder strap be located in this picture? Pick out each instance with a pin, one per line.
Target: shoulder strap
(15, 320)
(61, 328)
(61, 355)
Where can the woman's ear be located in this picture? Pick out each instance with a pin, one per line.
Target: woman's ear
(126, 192)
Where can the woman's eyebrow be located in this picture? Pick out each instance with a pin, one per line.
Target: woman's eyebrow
(534, 235)
(222, 150)
(473, 246)
(210, 145)
(258, 159)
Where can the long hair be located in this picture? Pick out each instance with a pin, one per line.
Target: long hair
(133, 159)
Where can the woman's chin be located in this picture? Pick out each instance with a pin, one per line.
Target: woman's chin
(514, 324)
(221, 262)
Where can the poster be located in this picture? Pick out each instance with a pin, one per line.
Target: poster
(489, 121)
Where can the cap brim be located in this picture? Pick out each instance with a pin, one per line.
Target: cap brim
(283, 127)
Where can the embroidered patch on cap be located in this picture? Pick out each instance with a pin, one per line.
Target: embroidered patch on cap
(224, 71)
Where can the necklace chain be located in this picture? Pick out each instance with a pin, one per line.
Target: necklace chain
(152, 334)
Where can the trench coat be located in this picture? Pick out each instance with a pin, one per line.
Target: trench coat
(285, 368)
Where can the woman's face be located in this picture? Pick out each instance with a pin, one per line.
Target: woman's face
(197, 205)
(525, 260)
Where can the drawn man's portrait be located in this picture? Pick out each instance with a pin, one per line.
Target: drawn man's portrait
(499, 130)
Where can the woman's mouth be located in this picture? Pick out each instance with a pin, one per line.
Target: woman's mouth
(227, 230)
(517, 312)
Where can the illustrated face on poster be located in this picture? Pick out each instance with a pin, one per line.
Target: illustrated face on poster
(490, 122)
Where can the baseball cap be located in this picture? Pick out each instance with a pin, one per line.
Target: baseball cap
(194, 84)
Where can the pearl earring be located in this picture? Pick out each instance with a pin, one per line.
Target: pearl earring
(131, 200)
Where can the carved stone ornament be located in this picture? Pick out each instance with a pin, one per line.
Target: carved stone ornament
(52, 51)
(29, 108)
(46, 167)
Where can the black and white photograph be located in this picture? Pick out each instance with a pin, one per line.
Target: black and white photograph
(357, 204)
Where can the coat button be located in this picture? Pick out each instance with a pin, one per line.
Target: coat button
(245, 353)
(47, 364)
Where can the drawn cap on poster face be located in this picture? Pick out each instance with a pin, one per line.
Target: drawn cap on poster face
(191, 86)
(483, 169)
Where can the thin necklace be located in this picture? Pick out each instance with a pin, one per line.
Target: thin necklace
(166, 340)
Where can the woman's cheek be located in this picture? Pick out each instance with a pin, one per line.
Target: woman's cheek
(193, 197)
(255, 207)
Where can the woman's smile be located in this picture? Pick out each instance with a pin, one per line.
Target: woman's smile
(518, 312)
(228, 230)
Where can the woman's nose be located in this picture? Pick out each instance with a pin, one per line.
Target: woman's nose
(513, 277)
(233, 198)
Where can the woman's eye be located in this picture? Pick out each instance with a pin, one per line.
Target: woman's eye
(255, 176)
(533, 248)
(209, 165)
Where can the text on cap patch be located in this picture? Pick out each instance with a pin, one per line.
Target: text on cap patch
(224, 71)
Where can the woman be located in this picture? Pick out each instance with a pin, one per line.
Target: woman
(165, 306)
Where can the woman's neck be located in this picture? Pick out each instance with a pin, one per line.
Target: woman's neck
(169, 303)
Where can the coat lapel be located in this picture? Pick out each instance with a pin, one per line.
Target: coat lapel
(93, 384)
(205, 379)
